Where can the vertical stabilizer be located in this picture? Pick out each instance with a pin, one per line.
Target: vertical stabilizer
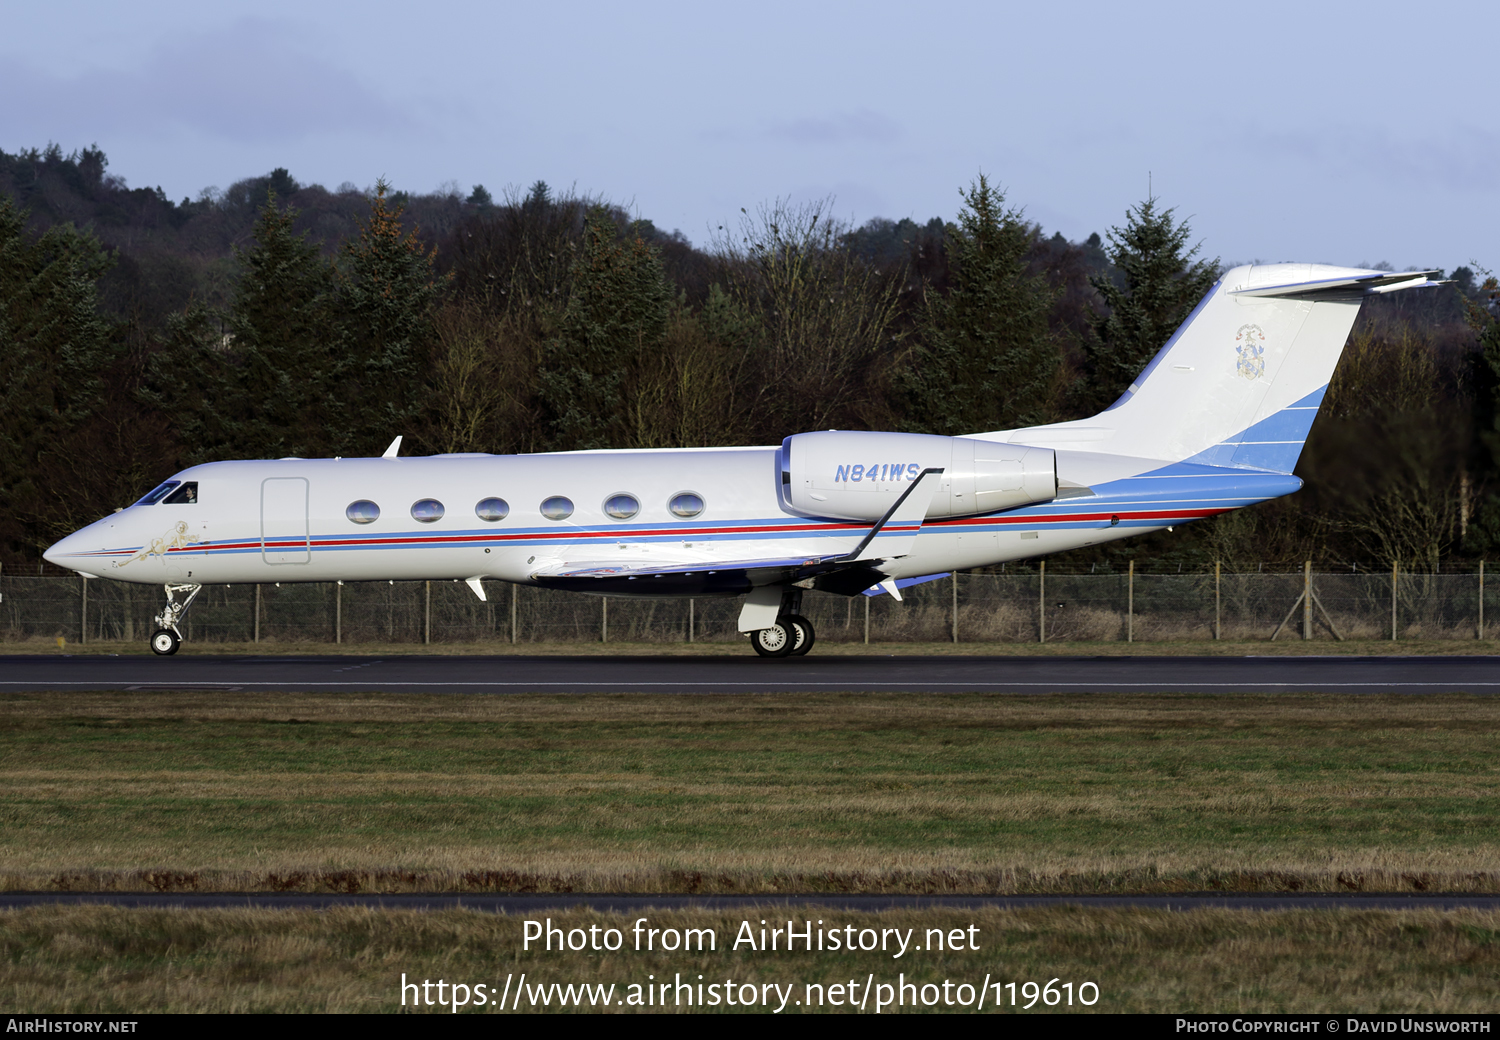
(1240, 381)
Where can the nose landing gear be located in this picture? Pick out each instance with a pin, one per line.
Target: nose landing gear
(166, 639)
(164, 642)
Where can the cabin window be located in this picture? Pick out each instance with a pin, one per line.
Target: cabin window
(427, 511)
(686, 504)
(159, 493)
(621, 507)
(557, 508)
(491, 510)
(363, 512)
(186, 495)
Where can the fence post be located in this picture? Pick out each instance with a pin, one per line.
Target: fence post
(1393, 601)
(1130, 604)
(1041, 603)
(1306, 600)
(427, 613)
(257, 613)
(1481, 599)
(604, 620)
(955, 606)
(514, 590)
(338, 612)
(1218, 630)
(83, 609)
(867, 619)
(690, 620)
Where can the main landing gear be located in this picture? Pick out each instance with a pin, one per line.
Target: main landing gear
(791, 636)
(166, 639)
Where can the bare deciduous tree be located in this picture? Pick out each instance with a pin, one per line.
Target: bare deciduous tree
(821, 317)
(483, 379)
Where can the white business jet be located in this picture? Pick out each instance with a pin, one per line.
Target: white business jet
(1215, 422)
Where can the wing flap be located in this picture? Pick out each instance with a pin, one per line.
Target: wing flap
(696, 578)
(614, 569)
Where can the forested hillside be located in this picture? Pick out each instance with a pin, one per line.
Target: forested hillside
(139, 334)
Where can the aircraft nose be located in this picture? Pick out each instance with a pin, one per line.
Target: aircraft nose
(61, 551)
(54, 554)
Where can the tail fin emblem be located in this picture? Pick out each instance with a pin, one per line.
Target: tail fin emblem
(1250, 344)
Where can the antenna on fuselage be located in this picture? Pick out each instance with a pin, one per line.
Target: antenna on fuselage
(390, 453)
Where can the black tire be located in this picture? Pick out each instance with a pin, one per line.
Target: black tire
(776, 641)
(805, 634)
(164, 642)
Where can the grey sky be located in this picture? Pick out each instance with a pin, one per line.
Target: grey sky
(1336, 132)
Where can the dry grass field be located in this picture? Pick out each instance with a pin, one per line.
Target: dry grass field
(961, 793)
(830, 793)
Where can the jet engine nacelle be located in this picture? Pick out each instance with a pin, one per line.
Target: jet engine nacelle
(859, 476)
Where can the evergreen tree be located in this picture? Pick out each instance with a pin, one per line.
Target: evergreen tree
(1162, 286)
(280, 343)
(254, 383)
(616, 313)
(386, 291)
(54, 349)
(280, 183)
(986, 359)
(1483, 535)
(191, 378)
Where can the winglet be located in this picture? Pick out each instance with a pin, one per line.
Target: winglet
(390, 453)
(910, 508)
(476, 583)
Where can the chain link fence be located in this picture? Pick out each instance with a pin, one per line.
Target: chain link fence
(1027, 605)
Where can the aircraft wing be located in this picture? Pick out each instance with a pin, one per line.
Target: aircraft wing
(699, 577)
(891, 537)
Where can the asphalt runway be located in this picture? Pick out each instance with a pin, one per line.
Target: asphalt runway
(633, 903)
(749, 674)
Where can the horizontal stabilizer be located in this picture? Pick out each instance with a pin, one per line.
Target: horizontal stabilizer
(1358, 285)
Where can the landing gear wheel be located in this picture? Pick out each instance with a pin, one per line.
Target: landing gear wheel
(804, 635)
(776, 641)
(164, 642)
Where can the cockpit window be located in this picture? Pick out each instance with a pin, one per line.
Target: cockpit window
(184, 496)
(159, 494)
